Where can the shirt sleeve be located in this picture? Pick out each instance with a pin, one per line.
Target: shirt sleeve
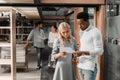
(55, 49)
(98, 43)
(30, 36)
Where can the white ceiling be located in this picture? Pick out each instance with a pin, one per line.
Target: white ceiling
(29, 12)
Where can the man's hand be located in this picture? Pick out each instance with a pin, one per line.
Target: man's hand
(26, 44)
(77, 53)
(75, 60)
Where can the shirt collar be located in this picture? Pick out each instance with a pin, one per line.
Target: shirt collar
(88, 28)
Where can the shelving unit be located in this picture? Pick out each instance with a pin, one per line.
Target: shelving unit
(11, 43)
(23, 28)
(22, 33)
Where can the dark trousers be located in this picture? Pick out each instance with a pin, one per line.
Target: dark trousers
(39, 52)
(49, 58)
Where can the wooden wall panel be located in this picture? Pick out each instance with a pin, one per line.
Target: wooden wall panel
(74, 1)
(100, 22)
(76, 26)
(76, 34)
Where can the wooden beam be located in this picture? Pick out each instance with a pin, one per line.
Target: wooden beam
(13, 44)
(76, 34)
(48, 4)
(100, 21)
(76, 26)
(74, 1)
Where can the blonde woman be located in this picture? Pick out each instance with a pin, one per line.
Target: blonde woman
(63, 48)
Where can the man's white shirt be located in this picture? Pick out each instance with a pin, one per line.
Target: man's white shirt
(90, 40)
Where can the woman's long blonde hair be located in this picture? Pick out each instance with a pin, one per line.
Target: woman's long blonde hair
(61, 26)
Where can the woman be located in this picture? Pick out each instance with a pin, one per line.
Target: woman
(52, 36)
(63, 48)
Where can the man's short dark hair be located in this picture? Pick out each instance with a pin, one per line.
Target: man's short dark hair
(39, 22)
(83, 15)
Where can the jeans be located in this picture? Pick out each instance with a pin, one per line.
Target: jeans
(39, 56)
(88, 74)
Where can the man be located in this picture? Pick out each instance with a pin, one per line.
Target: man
(90, 47)
(38, 37)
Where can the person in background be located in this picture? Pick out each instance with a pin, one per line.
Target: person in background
(91, 46)
(52, 36)
(64, 68)
(38, 37)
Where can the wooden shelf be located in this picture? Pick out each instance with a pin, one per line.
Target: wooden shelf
(4, 34)
(22, 34)
(11, 44)
(5, 77)
(4, 17)
(5, 27)
(25, 27)
(5, 62)
(5, 9)
(5, 44)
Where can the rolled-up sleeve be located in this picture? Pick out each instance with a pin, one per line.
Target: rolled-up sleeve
(98, 43)
(30, 36)
(55, 49)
